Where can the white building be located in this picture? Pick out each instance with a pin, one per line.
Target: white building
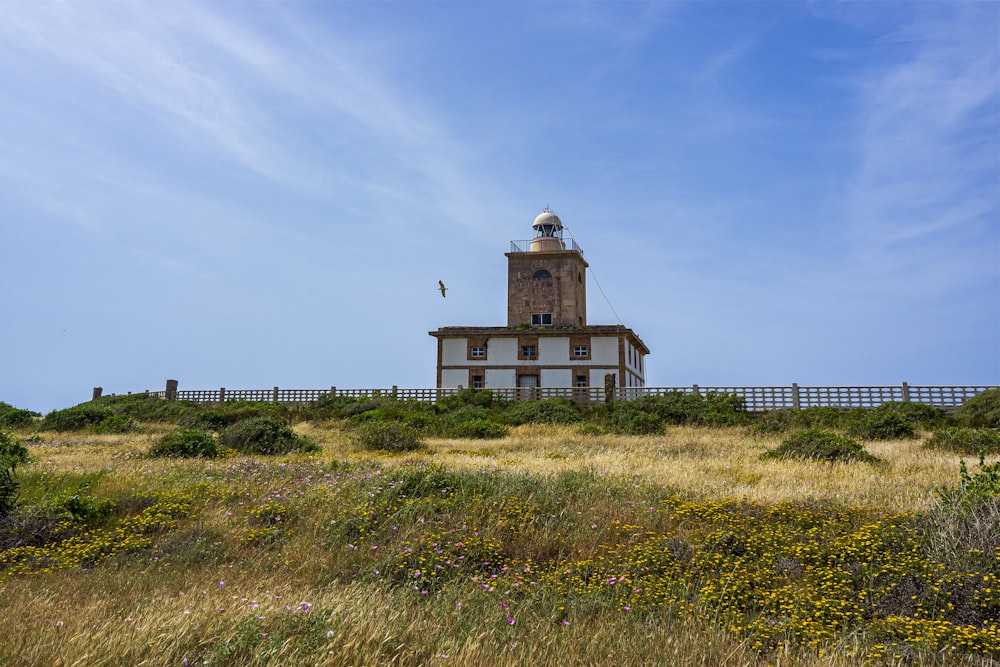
(547, 341)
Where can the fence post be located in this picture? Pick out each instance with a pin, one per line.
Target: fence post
(609, 388)
(906, 393)
(222, 395)
(275, 395)
(171, 392)
(98, 391)
(796, 405)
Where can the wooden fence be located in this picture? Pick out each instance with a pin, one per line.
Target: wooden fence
(756, 399)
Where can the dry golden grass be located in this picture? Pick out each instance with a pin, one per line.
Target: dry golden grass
(710, 463)
(127, 612)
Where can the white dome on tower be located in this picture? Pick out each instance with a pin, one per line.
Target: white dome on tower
(547, 223)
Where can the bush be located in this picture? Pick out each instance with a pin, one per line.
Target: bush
(773, 421)
(962, 529)
(879, 425)
(919, 415)
(145, 408)
(225, 415)
(186, 443)
(116, 424)
(816, 417)
(88, 510)
(388, 436)
(77, 418)
(478, 428)
(980, 411)
(966, 440)
(11, 417)
(262, 435)
(12, 454)
(822, 445)
(328, 406)
(483, 398)
(546, 411)
(678, 408)
(627, 419)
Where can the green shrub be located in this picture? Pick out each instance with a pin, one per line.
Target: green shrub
(879, 425)
(478, 428)
(262, 435)
(722, 410)
(225, 415)
(545, 411)
(328, 406)
(919, 415)
(12, 454)
(674, 407)
(974, 489)
(186, 443)
(98, 419)
(388, 436)
(11, 417)
(483, 398)
(88, 510)
(821, 445)
(775, 421)
(145, 408)
(980, 411)
(816, 417)
(678, 408)
(965, 440)
(77, 418)
(116, 424)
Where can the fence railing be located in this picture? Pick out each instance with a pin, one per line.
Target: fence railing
(756, 399)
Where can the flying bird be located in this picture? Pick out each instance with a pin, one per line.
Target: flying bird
(442, 288)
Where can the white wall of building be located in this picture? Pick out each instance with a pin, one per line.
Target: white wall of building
(553, 351)
(597, 377)
(501, 351)
(604, 351)
(454, 351)
(557, 377)
(454, 377)
(501, 377)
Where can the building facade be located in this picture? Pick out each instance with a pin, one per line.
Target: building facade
(547, 341)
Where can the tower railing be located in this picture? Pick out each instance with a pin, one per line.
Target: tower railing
(525, 245)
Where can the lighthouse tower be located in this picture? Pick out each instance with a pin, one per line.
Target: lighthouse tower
(547, 284)
(547, 348)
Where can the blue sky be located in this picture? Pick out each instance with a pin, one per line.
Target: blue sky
(251, 194)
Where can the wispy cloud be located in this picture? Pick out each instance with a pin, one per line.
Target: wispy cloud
(928, 149)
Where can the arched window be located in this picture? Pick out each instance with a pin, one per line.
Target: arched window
(541, 273)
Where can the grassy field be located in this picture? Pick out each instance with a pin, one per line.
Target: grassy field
(546, 547)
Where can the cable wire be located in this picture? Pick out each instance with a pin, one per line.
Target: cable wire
(598, 283)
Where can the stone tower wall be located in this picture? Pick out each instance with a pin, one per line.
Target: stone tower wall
(564, 294)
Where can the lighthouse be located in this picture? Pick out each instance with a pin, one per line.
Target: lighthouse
(547, 345)
(547, 285)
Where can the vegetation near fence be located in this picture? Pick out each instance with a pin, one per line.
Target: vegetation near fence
(792, 397)
(677, 529)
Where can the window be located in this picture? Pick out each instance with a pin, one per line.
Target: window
(529, 352)
(477, 381)
(580, 351)
(541, 319)
(541, 273)
(478, 352)
(581, 380)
